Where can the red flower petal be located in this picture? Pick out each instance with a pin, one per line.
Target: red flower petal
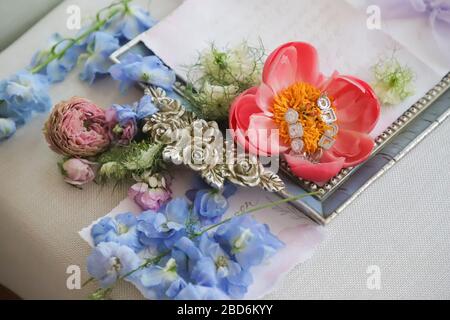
(307, 62)
(317, 172)
(242, 108)
(354, 146)
(283, 69)
(263, 135)
(357, 106)
(264, 97)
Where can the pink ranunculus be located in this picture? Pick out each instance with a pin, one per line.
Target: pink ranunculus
(78, 172)
(149, 198)
(77, 127)
(291, 73)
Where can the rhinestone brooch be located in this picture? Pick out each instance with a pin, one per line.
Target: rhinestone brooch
(295, 128)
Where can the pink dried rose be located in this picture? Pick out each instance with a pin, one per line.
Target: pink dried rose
(78, 172)
(149, 198)
(77, 127)
(122, 125)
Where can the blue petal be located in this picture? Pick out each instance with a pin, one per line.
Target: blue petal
(153, 276)
(204, 272)
(196, 292)
(127, 219)
(99, 263)
(128, 259)
(100, 229)
(56, 72)
(143, 16)
(130, 57)
(175, 288)
(105, 43)
(98, 62)
(259, 245)
(70, 59)
(177, 210)
(161, 76)
(24, 93)
(131, 28)
(129, 25)
(125, 114)
(145, 107)
(189, 248)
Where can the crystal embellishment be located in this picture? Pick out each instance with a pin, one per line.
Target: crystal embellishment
(316, 156)
(333, 131)
(295, 130)
(291, 116)
(324, 103)
(329, 116)
(326, 142)
(297, 145)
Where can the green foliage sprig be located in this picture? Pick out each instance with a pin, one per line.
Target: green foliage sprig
(393, 82)
(219, 76)
(101, 19)
(122, 162)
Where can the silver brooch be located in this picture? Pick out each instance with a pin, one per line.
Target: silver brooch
(200, 145)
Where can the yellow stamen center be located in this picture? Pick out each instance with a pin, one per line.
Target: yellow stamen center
(302, 97)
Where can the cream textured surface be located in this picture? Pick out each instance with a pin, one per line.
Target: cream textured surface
(400, 224)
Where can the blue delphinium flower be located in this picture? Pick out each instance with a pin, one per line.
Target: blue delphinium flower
(135, 68)
(204, 262)
(23, 94)
(7, 128)
(100, 46)
(160, 281)
(130, 23)
(217, 269)
(120, 229)
(162, 230)
(109, 261)
(247, 241)
(197, 292)
(186, 254)
(210, 204)
(125, 114)
(57, 69)
(145, 107)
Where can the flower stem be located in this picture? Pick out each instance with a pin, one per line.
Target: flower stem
(87, 282)
(256, 208)
(156, 259)
(147, 262)
(151, 261)
(95, 27)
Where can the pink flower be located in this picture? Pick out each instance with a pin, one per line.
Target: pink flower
(77, 128)
(149, 198)
(122, 126)
(292, 82)
(78, 171)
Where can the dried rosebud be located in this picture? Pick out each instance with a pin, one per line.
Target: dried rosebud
(122, 126)
(78, 172)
